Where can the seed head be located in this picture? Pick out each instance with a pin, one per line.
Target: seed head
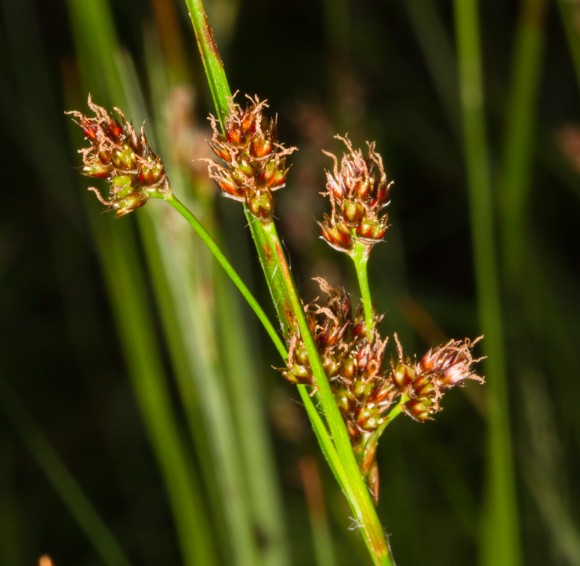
(440, 369)
(353, 364)
(123, 157)
(358, 191)
(364, 390)
(253, 162)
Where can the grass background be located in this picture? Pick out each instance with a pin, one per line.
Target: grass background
(121, 375)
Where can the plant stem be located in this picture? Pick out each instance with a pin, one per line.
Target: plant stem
(212, 63)
(360, 257)
(228, 268)
(519, 138)
(136, 330)
(501, 544)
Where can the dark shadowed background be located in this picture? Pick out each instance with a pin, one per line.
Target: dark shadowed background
(72, 414)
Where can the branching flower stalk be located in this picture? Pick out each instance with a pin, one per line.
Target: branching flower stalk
(333, 348)
(104, 130)
(369, 394)
(244, 129)
(336, 448)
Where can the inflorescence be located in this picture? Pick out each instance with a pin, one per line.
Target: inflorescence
(253, 162)
(358, 191)
(123, 157)
(368, 391)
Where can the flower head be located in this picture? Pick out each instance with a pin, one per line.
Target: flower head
(122, 156)
(425, 381)
(358, 191)
(253, 162)
(366, 392)
(353, 362)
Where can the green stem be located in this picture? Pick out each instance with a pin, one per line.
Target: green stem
(391, 416)
(212, 63)
(360, 257)
(501, 543)
(227, 267)
(519, 138)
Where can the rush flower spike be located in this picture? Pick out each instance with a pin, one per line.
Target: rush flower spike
(358, 191)
(353, 363)
(122, 156)
(424, 382)
(365, 391)
(253, 162)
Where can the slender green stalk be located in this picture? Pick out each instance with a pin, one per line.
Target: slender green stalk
(91, 21)
(96, 45)
(360, 257)
(242, 379)
(212, 63)
(393, 414)
(61, 479)
(519, 137)
(501, 537)
(228, 268)
(244, 491)
(373, 440)
(137, 338)
(181, 274)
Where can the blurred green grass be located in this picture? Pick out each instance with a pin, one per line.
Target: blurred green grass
(385, 72)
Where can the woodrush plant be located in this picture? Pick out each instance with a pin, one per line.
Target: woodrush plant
(332, 350)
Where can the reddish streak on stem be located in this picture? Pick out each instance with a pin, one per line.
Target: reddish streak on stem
(288, 312)
(210, 40)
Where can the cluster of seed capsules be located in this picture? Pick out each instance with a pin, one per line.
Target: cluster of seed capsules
(423, 382)
(352, 362)
(358, 191)
(123, 157)
(253, 162)
(252, 167)
(365, 390)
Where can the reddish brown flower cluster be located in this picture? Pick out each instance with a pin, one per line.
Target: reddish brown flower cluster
(122, 156)
(353, 365)
(423, 383)
(254, 163)
(365, 391)
(352, 362)
(358, 193)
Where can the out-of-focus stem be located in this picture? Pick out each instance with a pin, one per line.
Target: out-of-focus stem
(228, 268)
(501, 541)
(519, 137)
